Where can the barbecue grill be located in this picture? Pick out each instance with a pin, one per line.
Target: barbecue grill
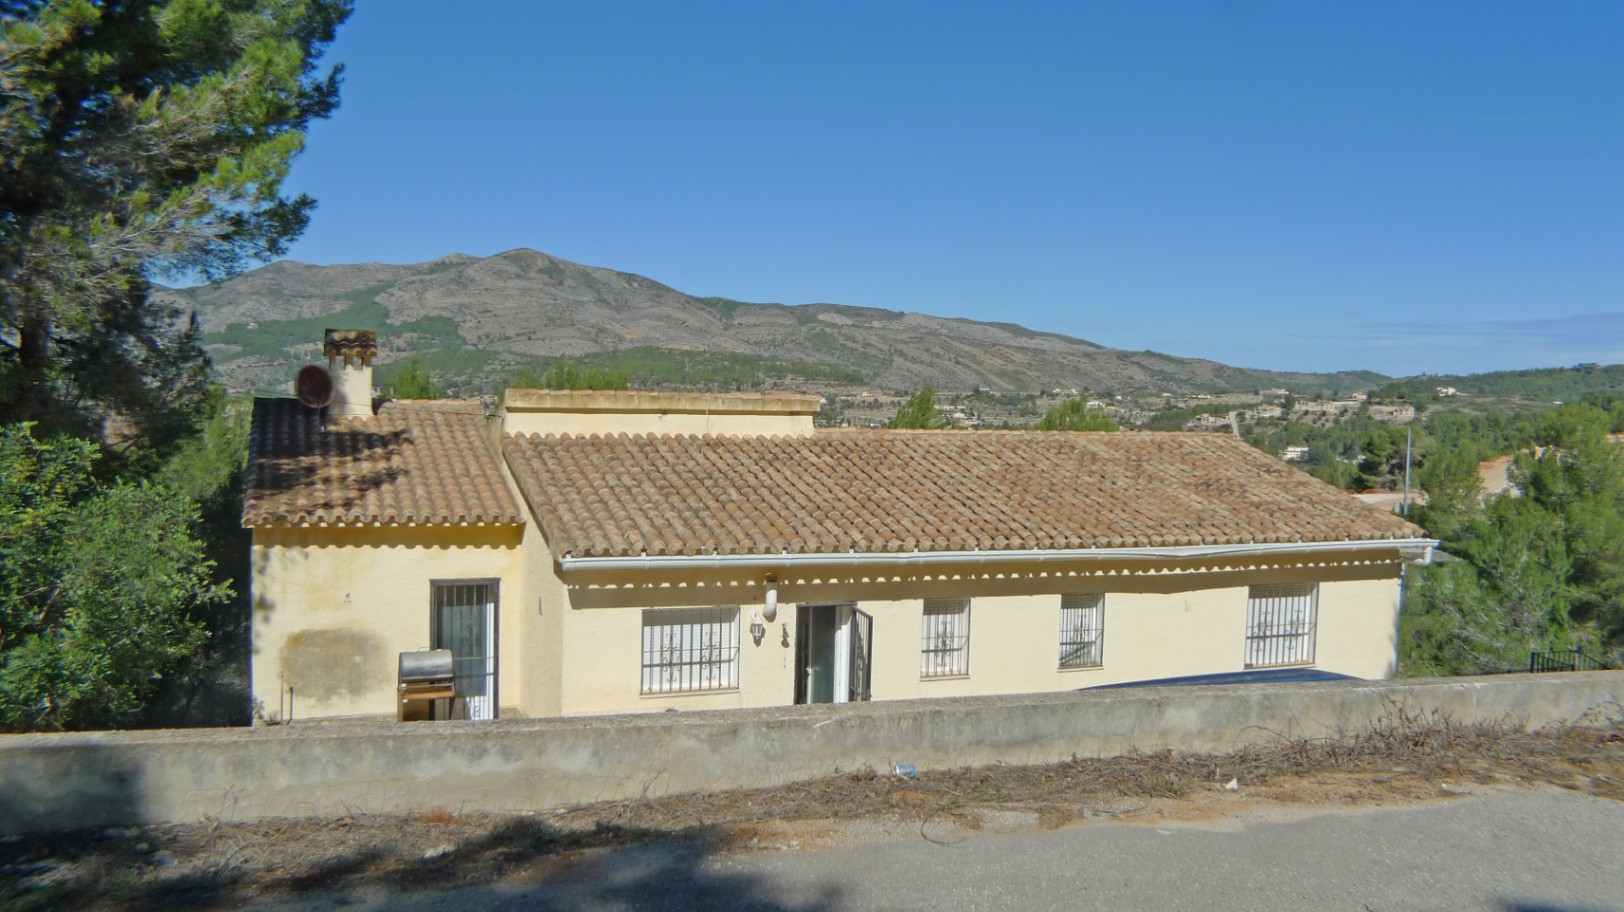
(427, 686)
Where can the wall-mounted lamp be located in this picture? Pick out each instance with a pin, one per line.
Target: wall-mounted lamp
(758, 630)
(770, 609)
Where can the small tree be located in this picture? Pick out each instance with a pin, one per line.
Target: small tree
(919, 412)
(414, 382)
(567, 375)
(1075, 415)
(1454, 494)
(526, 378)
(830, 413)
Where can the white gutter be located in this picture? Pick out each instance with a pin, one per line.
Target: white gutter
(1418, 550)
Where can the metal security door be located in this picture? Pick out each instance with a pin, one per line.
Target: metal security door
(465, 622)
(862, 655)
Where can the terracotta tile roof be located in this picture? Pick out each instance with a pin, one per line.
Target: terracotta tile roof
(890, 491)
(414, 462)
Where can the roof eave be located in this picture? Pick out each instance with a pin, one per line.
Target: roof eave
(1413, 550)
(380, 523)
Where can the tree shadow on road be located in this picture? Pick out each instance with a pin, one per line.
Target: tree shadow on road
(1507, 905)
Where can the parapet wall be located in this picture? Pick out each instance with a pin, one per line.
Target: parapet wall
(635, 412)
(121, 778)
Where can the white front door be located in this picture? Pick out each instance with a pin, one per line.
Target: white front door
(833, 653)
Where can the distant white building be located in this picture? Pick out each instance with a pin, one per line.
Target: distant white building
(1329, 408)
(1398, 413)
(1293, 454)
(1207, 423)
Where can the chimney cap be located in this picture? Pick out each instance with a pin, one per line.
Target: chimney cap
(351, 344)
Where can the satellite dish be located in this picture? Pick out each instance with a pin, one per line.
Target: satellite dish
(313, 386)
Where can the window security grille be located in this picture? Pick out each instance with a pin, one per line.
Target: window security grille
(944, 648)
(687, 650)
(1280, 625)
(1082, 630)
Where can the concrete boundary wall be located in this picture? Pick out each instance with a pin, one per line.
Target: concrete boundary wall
(120, 778)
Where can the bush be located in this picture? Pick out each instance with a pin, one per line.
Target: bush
(99, 586)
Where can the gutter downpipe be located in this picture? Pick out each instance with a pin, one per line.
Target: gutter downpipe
(1418, 550)
(1398, 614)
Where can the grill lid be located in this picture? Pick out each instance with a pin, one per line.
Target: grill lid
(425, 665)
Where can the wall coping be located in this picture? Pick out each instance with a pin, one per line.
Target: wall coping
(645, 402)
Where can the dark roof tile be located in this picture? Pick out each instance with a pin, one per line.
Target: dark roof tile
(422, 462)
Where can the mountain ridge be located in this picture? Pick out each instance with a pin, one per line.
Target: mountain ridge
(478, 317)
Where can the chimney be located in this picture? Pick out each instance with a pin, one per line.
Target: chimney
(349, 362)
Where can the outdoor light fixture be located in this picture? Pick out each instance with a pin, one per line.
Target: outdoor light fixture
(758, 630)
(770, 609)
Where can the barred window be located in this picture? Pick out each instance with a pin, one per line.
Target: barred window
(1280, 624)
(1082, 630)
(944, 648)
(687, 650)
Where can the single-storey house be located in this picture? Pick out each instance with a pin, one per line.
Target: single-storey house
(591, 552)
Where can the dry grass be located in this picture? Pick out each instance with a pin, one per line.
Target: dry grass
(1401, 746)
(1402, 757)
(436, 816)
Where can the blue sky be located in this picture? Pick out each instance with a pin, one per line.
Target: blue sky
(1402, 187)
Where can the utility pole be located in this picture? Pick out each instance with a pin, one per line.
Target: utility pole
(1409, 443)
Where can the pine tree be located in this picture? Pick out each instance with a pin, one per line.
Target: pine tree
(919, 412)
(1538, 571)
(414, 382)
(140, 139)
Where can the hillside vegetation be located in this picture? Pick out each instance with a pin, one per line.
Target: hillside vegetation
(1543, 386)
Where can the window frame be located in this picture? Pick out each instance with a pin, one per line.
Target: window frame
(952, 658)
(702, 658)
(1075, 637)
(1282, 625)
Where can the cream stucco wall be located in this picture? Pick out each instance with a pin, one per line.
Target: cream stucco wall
(334, 607)
(632, 412)
(1161, 620)
(542, 637)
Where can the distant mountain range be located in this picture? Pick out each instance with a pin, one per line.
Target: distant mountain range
(475, 321)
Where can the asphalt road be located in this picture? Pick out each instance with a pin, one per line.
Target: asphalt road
(1543, 850)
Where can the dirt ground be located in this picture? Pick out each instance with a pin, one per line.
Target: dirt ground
(218, 865)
